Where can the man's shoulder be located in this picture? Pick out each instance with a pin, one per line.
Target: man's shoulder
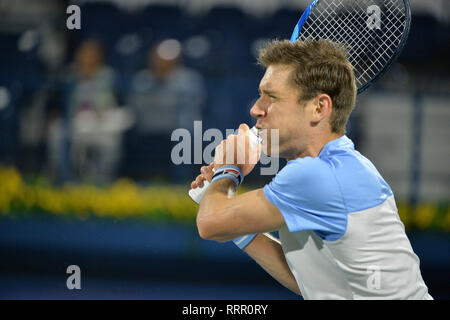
(343, 174)
(306, 168)
(361, 184)
(309, 175)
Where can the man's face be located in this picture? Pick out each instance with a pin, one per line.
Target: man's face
(278, 107)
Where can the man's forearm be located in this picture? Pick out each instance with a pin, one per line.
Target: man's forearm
(214, 202)
(265, 251)
(269, 255)
(223, 189)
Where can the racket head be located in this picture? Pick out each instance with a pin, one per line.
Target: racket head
(370, 51)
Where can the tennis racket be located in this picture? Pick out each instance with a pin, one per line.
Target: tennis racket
(374, 33)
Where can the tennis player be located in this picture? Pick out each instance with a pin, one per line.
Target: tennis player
(340, 233)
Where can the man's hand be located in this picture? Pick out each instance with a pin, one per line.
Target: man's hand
(206, 174)
(236, 150)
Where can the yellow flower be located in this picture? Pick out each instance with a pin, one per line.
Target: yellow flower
(446, 224)
(424, 215)
(124, 199)
(405, 212)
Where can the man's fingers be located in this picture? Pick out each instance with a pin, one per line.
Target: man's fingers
(207, 172)
(256, 155)
(243, 129)
(198, 182)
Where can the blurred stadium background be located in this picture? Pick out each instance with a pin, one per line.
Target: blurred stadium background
(85, 123)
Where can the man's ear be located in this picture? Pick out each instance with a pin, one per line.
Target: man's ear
(322, 107)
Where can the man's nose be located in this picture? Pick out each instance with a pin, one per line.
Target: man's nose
(257, 110)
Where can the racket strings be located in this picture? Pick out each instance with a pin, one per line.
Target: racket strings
(346, 22)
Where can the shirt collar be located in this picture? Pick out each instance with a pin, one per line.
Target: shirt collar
(336, 145)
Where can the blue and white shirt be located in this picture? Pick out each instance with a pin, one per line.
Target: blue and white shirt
(343, 237)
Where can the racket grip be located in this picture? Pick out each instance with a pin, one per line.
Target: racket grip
(198, 193)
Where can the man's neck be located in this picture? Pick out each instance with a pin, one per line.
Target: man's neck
(316, 145)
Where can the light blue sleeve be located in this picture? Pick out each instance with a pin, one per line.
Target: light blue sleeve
(309, 197)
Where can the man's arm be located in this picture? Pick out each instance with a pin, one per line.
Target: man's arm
(222, 218)
(267, 252)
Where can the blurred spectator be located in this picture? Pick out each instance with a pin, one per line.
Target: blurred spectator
(94, 123)
(164, 96)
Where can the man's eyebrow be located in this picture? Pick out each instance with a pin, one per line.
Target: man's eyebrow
(267, 91)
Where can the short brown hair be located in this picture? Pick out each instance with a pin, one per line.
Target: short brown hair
(320, 67)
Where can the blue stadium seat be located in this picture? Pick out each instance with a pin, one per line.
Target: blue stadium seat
(229, 101)
(281, 24)
(20, 68)
(423, 41)
(165, 21)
